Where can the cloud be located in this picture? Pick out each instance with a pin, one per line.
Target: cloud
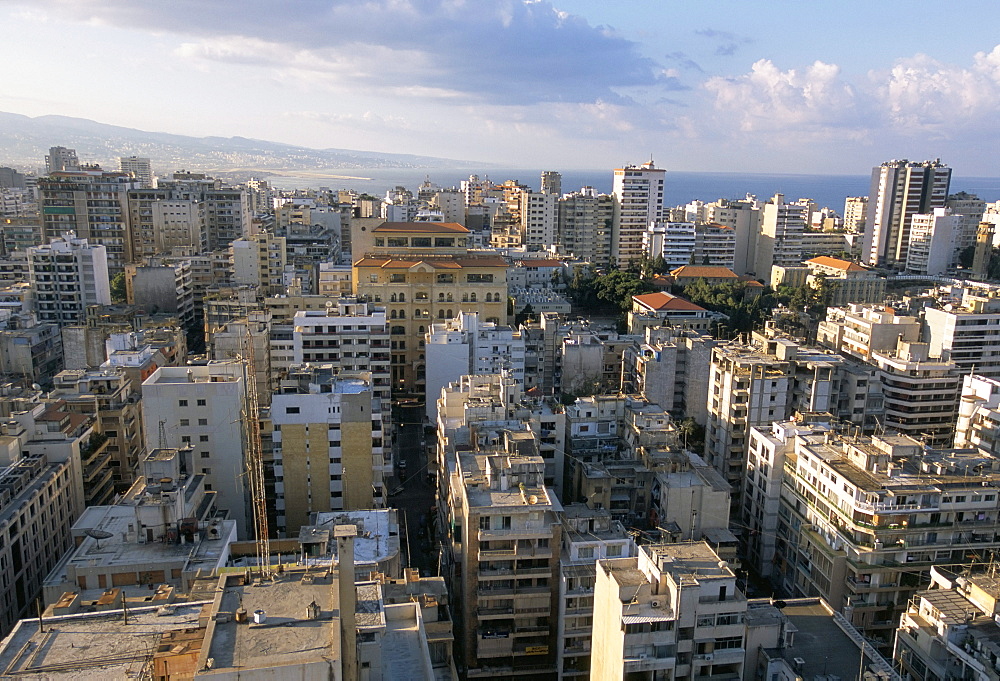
(367, 120)
(770, 99)
(506, 51)
(727, 43)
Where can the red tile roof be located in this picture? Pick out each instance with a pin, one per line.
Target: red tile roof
(665, 301)
(704, 272)
(846, 265)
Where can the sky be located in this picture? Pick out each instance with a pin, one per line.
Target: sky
(775, 86)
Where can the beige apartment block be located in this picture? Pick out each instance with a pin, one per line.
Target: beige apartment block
(424, 272)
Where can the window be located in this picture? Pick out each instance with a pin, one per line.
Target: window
(373, 278)
(203, 438)
(184, 423)
(203, 455)
(397, 278)
(444, 242)
(614, 550)
(182, 403)
(291, 410)
(202, 422)
(186, 439)
(586, 552)
(479, 278)
(420, 242)
(398, 242)
(201, 403)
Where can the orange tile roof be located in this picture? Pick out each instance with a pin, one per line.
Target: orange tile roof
(846, 265)
(665, 301)
(437, 263)
(702, 271)
(540, 262)
(422, 227)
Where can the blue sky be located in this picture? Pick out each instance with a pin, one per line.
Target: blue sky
(797, 87)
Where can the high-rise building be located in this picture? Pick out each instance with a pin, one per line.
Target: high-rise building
(204, 407)
(586, 225)
(967, 333)
(259, 262)
(139, 168)
(61, 159)
(67, 275)
(226, 210)
(900, 190)
(780, 239)
(538, 219)
(329, 451)
(855, 208)
(93, 204)
(551, 182)
(743, 217)
(638, 192)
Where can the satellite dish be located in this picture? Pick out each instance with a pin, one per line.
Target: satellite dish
(98, 535)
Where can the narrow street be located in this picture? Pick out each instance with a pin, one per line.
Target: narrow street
(416, 498)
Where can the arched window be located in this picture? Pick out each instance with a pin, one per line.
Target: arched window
(392, 298)
(402, 314)
(440, 314)
(451, 313)
(465, 297)
(440, 297)
(489, 297)
(449, 298)
(392, 314)
(402, 297)
(420, 330)
(473, 297)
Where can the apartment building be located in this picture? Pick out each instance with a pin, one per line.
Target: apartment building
(586, 225)
(756, 384)
(589, 535)
(467, 345)
(899, 190)
(348, 333)
(858, 330)
(951, 631)
(330, 444)
(67, 275)
(162, 221)
(965, 333)
(502, 557)
(159, 289)
(674, 611)
(920, 393)
(422, 272)
(94, 205)
(638, 192)
(538, 214)
(204, 407)
(34, 353)
(226, 210)
(110, 396)
(780, 239)
(259, 261)
(863, 519)
(978, 424)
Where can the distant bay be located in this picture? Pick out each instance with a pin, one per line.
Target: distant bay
(681, 187)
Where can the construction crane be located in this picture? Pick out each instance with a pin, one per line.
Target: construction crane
(254, 460)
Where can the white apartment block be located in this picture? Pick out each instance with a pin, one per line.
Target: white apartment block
(855, 208)
(468, 345)
(259, 261)
(204, 407)
(672, 612)
(934, 242)
(951, 631)
(715, 245)
(675, 242)
(859, 330)
(920, 392)
(743, 217)
(538, 219)
(350, 334)
(638, 192)
(66, 276)
(139, 168)
(780, 239)
(978, 424)
(967, 333)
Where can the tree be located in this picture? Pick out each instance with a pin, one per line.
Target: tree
(118, 294)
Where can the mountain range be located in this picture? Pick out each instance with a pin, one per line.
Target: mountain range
(25, 140)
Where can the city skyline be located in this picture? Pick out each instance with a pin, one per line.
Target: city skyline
(569, 83)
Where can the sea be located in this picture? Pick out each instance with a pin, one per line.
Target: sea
(680, 187)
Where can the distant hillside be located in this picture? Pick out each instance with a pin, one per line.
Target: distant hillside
(24, 141)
